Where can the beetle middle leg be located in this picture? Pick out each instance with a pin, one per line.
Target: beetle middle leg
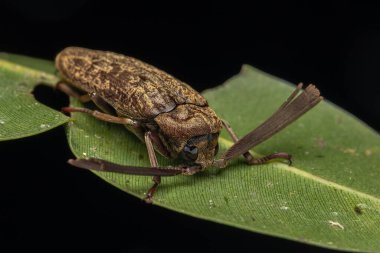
(248, 156)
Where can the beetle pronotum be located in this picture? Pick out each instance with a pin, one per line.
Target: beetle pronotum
(165, 113)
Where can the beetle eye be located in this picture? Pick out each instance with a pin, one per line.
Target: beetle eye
(190, 153)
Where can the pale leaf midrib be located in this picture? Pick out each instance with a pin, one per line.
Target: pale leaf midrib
(38, 74)
(310, 176)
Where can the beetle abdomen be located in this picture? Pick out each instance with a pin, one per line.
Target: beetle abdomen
(134, 88)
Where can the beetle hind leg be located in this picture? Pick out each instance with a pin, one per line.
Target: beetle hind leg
(102, 104)
(85, 98)
(103, 116)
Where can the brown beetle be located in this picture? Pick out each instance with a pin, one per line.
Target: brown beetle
(165, 113)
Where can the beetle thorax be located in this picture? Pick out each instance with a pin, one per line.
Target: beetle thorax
(190, 125)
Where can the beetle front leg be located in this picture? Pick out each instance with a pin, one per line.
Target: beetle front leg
(248, 156)
(153, 162)
(149, 195)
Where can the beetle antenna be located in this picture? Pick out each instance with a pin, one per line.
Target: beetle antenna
(102, 165)
(294, 107)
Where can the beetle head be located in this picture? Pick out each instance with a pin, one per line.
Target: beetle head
(201, 149)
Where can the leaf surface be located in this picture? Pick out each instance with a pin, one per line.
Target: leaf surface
(330, 197)
(21, 115)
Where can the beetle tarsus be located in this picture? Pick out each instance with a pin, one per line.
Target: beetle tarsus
(148, 199)
(149, 195)
(271, 157)
(290, 161)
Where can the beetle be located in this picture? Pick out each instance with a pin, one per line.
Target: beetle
(169, 116)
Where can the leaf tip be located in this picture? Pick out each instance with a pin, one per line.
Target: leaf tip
(245, 68)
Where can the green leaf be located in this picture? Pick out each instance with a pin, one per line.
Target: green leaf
(21, 114)
(330, 197)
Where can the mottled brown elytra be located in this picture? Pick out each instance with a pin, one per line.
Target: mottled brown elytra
(165, 113)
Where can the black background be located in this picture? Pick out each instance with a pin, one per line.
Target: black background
(47, 205)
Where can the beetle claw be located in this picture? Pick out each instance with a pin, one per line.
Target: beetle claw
(148, 199)
(290, 162)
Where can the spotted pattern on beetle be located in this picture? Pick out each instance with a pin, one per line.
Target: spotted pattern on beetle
(134, 88)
